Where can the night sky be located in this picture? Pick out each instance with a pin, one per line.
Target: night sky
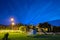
(30, 11)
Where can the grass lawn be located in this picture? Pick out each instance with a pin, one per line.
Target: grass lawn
(20, 36)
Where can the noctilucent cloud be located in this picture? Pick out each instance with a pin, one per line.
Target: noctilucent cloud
(29, 11)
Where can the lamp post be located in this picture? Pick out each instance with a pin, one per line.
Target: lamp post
(12, 22)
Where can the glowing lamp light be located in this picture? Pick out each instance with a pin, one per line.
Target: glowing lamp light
(13, 23)
(12, 19)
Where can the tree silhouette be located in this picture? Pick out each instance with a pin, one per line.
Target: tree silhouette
(46, 25)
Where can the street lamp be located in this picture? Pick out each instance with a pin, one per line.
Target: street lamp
(12, 19)
(12, 22)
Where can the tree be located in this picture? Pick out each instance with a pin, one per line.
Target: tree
(39, 25)
(46, 25)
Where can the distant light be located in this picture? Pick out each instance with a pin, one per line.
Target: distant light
(12, 19)
(13, 23)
